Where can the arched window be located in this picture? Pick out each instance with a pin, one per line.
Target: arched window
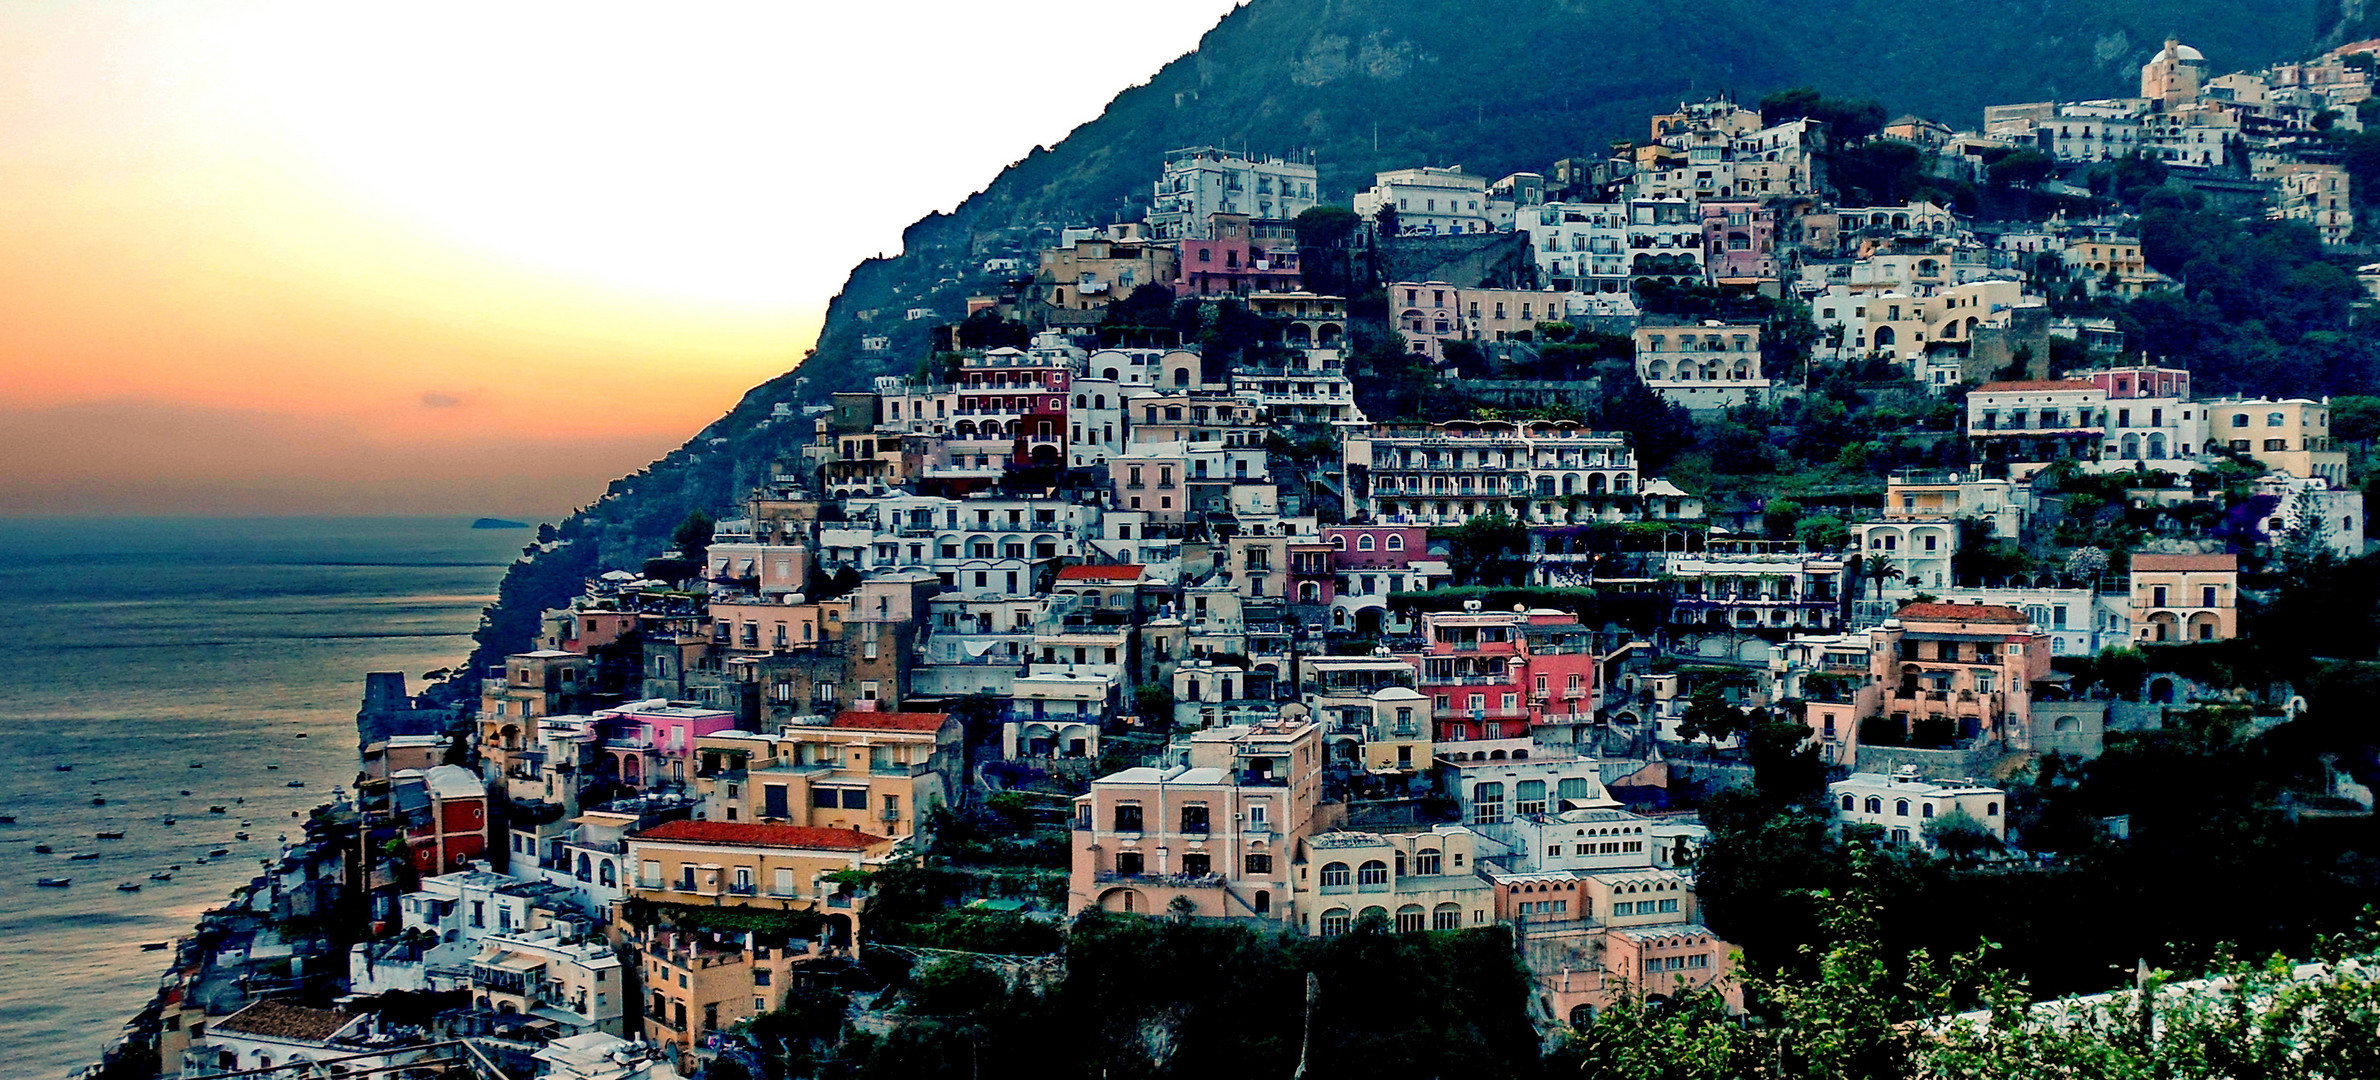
(1926, 811)
(2272, 419)
(1334, 875)
(1334, 922)
(1991, 809)
(586, 867)
(604, 875)
(1363, 542)
(1396, 542)
(1411, 919)
(1373, 872)
(1875, 805)
(1447, 917)
(1849, 803)
(1900, 808)
(1264, 901)
(1339, 541)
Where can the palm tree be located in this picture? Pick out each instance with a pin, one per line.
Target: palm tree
(1880, 569)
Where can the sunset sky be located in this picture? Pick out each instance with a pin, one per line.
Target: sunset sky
(426, 259)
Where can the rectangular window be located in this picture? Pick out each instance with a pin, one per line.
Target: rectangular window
(1259, 865)
(1128, 817)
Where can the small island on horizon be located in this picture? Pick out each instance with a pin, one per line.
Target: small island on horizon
(498, 523)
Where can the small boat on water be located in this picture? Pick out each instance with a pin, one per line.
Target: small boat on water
(297, 783)
(128, 886)
(185, 791)
(162, 875)
(63, 768)
(155, 946)
(218, 810)
(198, 764)
(83, 855)
(273, 768)
(8, 819)
(99, 800)
(115, 835)
(54, 882)
(173, 866)
(169, 821)
(243, 823)
(202, 860)
(301, 734)
(41, 849)
(219, 851)
(239, 836)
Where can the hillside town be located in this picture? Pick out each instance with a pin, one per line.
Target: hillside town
(1263, 562)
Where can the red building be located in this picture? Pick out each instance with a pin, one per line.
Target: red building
(1010, 394)
(1493, 676)
(445, 814)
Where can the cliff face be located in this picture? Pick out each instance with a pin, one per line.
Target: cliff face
(1374, 84)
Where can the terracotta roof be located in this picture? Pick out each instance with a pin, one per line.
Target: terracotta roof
(2037, 384)
(2185, 562)
(749, 834)
(277, 1020)
(1995, 613)
(1098, 573)
(928, 722)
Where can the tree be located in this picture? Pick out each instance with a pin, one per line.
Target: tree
(2024, 168)
(1710, 715)
(692, 537)
(1847, 119)
(2085, 565)
(1880, 569)
(985, 329)
(1491, 549)
(1958, 835)
(1780, 518)
(1786, 770)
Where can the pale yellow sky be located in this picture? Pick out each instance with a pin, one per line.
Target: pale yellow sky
(448, 258)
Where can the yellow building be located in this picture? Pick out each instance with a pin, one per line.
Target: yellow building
(879, 772)
(2291, 436)
(699, 982)
(2185, 597)
(1409, 881)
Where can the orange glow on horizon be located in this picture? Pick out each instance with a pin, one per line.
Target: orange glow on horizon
(284, 256)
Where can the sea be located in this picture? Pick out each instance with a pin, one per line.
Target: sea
(166, 666)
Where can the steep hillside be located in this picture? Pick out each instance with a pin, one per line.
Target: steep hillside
(1372, 84)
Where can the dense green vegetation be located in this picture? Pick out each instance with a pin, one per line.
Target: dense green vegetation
(1153, 997)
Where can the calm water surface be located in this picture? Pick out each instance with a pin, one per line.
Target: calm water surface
(138, 648)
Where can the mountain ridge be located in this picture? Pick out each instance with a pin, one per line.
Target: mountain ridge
(1370, 84)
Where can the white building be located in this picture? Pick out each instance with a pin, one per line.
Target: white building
(1707, 368)
(572, 981)
(1435, 202)
(269, 1034)
(1581, 247)
(1903, 802)
(1201, 181)
(1541, 472)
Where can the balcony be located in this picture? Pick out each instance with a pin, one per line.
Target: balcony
(1179, 881)
(743, 890)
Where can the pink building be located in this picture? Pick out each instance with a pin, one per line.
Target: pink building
(1368, 562)
(1245, 256)
(1739, 241)
(654, 745)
